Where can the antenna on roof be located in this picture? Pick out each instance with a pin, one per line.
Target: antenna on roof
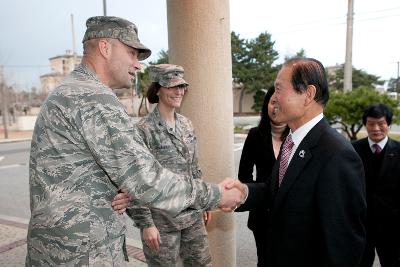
(104, 7)
(73, 39)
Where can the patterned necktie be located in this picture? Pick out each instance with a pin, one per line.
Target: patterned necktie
(377, 149)
(286, 152)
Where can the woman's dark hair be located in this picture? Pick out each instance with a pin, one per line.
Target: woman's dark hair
(152, 92)
(265, 122)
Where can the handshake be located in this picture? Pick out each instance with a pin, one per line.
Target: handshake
(234, 194)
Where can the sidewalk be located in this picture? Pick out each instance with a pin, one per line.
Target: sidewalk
(13, 244)
(14, 136)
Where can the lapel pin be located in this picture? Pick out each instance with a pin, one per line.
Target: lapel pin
(302, 153)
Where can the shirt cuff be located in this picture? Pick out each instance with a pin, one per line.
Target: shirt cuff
(246, 194)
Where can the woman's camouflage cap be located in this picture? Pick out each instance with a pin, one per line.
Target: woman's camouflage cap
(167, 75)
(116, 28)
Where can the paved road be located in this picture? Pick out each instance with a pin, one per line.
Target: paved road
(14, 192)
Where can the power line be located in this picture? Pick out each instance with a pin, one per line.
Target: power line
(311, 22)
(26, 66)
(315, 24)
(342, 20)
(378, 18)
(378, 11)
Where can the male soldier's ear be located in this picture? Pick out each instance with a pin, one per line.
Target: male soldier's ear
(104, 47)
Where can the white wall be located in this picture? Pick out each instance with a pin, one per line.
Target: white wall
(25, 123)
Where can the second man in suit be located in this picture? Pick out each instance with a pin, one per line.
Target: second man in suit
(381, 157)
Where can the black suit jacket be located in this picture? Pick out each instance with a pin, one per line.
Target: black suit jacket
(316, 217)
(257, 151)
(383, 191)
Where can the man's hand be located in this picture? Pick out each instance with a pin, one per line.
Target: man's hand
(120, 202)
(230, 183)
(206, 217)
(233, 194)
(151, 237)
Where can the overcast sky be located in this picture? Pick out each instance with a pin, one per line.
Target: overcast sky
(32, 31)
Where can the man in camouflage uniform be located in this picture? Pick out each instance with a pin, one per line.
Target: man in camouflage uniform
(85, 148)
(171, 139)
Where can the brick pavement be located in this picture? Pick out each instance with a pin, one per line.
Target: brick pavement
(13, 244)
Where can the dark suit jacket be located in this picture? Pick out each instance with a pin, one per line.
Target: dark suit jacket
(257, 151)
(383, 191)
(317, 216)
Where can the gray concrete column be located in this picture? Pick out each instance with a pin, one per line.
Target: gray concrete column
(199, 40)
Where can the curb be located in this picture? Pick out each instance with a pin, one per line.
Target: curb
(4, 141)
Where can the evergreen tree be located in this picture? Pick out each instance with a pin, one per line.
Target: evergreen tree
(360, 79)
(394, 85)
(253, 65)
(345, 109)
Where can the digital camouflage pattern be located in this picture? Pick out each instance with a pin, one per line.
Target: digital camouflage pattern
(116, 28)
(190, 243)
(176, 150)
(167, 75)
(84, 149)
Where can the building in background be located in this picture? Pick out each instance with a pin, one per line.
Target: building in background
(242, 101)
(61, 66)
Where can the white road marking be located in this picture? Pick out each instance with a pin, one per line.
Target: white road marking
(1, 158)
(14, 219)
(237, 147)
(13, 166)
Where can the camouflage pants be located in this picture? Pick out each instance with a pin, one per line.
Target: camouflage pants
(191, 244)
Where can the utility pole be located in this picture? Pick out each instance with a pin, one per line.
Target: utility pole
(4, 110)
(73, 40)
(105, 7)
(397, 80)
(348, 65)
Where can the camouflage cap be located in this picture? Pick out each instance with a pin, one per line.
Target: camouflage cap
(167, 75)
(117, 28)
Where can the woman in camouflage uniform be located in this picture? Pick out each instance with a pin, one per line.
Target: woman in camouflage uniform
(171, 139)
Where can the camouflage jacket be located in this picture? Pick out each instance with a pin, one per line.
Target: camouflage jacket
(84, 148)
(176, 151)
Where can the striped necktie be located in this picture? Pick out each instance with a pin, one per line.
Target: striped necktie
(286, 152)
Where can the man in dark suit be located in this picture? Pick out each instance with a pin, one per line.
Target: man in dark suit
(315, 197)
(381, 157)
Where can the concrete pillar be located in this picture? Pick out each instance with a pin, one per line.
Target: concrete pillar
(348, 64)
(199, 40)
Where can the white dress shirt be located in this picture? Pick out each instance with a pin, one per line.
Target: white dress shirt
(300, 133)
(381, 144)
